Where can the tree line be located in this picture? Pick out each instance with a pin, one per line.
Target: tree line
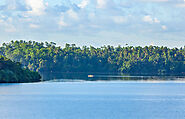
(12, 72)
(48, 57)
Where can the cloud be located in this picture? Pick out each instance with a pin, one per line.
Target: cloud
(155, 20)
(10, 28)
(83, 4)
(164, 27)
(146, 17)
(153, 0)
(72, 14)
(37, 7)
(101, 3)
(150, 19)
(119, 19)
(62, 22)
(34, 26)
(13, 5)
(1, 21)
(7, 27)
(180, 5)
(6, 23)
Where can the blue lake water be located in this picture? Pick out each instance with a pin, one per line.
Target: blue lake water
(93, 100)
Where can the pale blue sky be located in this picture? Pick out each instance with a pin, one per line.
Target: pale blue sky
(94, 22)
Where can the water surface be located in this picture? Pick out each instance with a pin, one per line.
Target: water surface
(93, 100)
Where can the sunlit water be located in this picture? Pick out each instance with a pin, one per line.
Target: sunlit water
(93, 100)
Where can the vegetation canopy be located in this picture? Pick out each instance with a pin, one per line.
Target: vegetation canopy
(47, 57)
(12, 72)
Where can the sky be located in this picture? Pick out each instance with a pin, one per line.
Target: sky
(94, 22)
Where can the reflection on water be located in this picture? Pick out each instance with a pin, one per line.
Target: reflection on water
(106, 76)
(9, 84)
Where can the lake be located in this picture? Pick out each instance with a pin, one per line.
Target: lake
(93, 100)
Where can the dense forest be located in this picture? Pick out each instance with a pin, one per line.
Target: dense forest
(12, 72)
(48, 57)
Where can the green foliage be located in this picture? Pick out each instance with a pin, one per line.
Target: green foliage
(47, 57)
(11, 72)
